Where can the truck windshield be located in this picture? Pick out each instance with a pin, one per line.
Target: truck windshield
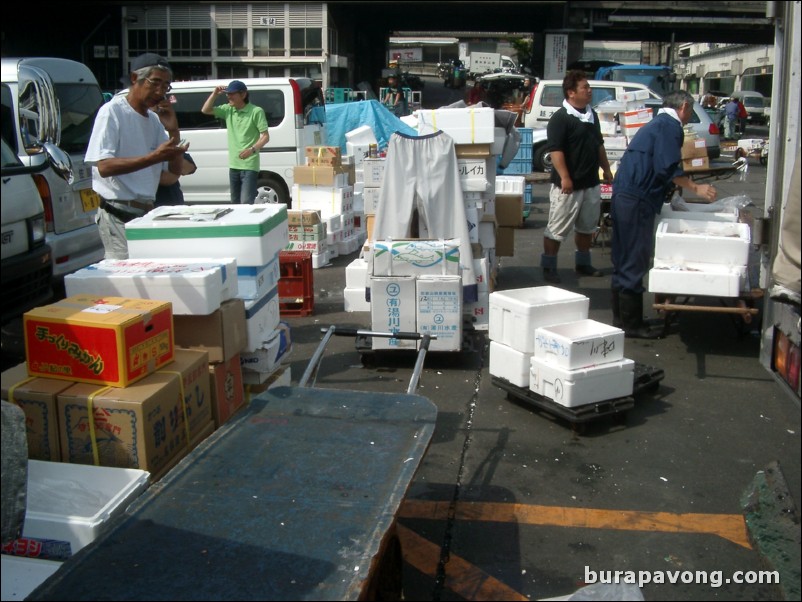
(656, 79)
(79, 104)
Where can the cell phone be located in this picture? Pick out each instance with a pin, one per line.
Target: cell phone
(182, 142)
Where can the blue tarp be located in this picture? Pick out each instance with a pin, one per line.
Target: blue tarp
(343, 117)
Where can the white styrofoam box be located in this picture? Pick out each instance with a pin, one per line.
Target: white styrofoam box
(348, 245)
(193, 286)
(579, 344)
(261, 319)
(510, 364)
(358, 151)
(473, 174)
(314, 134)
(481, 266)
(358, 201)
(471, 125)
(415, 257)
(499, 139)
(256, 281)
(699, 213)
(510, 184)
(681, 240)
(516, 313)
(371, 196)
(361, 135)
(329, 201)
(572, 388)
(266, 359)
(359, 173)
(693, 278)
(393, 309)
(439, 311)
(334, 223)
(254, 234)
(355, 300)
(320, 260)
(608, 128)
(356, 273)
(74, 502)
(374, 171)
(615, 143)
(472, 215)
(478, 312)
(632, 96)
(637, 116)
(358, 187)
(487, 234)
(20, 575)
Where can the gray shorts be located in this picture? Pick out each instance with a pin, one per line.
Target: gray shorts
(579, 210)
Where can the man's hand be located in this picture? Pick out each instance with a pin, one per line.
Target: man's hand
(168, 150)
(164, 110)
(607, 176)
(566, 185)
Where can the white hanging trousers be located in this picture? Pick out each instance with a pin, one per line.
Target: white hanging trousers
(422, 173)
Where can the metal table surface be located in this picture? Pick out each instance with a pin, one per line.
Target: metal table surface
(291, 500)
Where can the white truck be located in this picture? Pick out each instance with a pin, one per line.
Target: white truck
(479, 63)
(780, 330)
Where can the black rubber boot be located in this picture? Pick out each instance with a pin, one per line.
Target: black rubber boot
(614, 305)
(630, 306)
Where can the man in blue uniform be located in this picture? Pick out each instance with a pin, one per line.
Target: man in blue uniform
(650, 167)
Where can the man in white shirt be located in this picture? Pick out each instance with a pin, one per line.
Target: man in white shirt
(129, 148)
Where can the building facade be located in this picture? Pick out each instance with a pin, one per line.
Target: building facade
(722, 69)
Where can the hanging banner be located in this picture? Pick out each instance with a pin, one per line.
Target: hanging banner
(556, 56)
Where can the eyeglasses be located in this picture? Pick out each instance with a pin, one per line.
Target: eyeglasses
(159, 83)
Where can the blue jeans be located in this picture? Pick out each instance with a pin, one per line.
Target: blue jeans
(243, 185)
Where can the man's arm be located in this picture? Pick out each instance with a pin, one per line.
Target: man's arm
(706, 191)
(208, 106)
(167, 151)
(604, 162)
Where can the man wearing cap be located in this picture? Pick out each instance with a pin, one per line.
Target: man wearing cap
(247, 134)
(129, 148)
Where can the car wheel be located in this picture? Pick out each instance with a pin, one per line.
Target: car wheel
(542, 160)
(270, 190)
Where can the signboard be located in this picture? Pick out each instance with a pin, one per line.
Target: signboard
(99, 52)
(556, 56)
(407, 55)
(267, 21)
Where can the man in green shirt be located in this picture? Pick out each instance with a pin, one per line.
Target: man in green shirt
(247, 134)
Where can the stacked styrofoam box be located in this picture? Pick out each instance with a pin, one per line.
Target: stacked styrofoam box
(478, 312)
(515, 315)
(512, 185)
(267, 359)
(582, 362)
(356, 283)
(700, 257)
(471, 125)
(193, 286)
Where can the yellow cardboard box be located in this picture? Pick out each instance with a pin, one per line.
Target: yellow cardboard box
(104, 340)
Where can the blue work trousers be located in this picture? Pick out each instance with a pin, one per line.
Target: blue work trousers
(633, 241)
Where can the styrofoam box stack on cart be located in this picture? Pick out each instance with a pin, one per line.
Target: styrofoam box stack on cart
(193, 286)
(700, 257)
(581, 362)
(515, 315)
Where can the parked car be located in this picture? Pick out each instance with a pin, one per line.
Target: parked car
(701, 123)
(27, 264)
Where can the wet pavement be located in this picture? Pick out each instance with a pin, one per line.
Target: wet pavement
(511, 503)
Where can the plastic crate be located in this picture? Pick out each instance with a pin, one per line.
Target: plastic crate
(518, 166)
(524, 152)
(528, 195)
(338, 95)
(296, 291)
(526, 136)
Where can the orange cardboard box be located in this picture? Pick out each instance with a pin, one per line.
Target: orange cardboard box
(228, 391)
(103, 340)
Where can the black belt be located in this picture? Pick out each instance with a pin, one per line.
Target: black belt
(121, 214)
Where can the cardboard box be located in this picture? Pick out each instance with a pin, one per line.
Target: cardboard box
(393, 309)
(192, 366)
(37, 398)
(105, 340)
(323, 155)
(439, 311)
(303, 218)
(223, 333)
(696, 164)
(192, 286)
(182, 453)
(472, 150)
(505, 241)
(228, 394)
(139, 426)
(510, 210)
(320, 175)
(694, 148)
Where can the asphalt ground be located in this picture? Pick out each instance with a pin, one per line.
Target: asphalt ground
(513, 503)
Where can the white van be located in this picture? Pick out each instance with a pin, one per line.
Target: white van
(70, 206)
(293, 120)
(754, 102)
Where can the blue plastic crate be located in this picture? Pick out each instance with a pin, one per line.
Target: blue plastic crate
(524, 152)
(338, 95)
(527, 195)
(518, 167)
(526, 136)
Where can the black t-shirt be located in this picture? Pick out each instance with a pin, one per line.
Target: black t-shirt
(580, 141)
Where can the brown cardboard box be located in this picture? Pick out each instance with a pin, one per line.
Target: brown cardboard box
(465, 151)
(694, 148)
(105, 340)
(307, 217)
(228, 392)
(323, 155)
(182, 453)
(509, 210)
(320, 175)
(192, 366)
(135, 427)
(223, 333)
(505, 241)
(696, 164)
(37, 398)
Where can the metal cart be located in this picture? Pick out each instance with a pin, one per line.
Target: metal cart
(295, 498)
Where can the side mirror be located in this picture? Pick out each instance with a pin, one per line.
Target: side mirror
(59, 161)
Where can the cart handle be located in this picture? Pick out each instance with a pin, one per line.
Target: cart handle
(355, 332)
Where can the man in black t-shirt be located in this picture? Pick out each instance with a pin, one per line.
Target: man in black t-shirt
(577, 152)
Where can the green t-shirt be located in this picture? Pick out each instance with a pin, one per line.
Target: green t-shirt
(244, 128)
